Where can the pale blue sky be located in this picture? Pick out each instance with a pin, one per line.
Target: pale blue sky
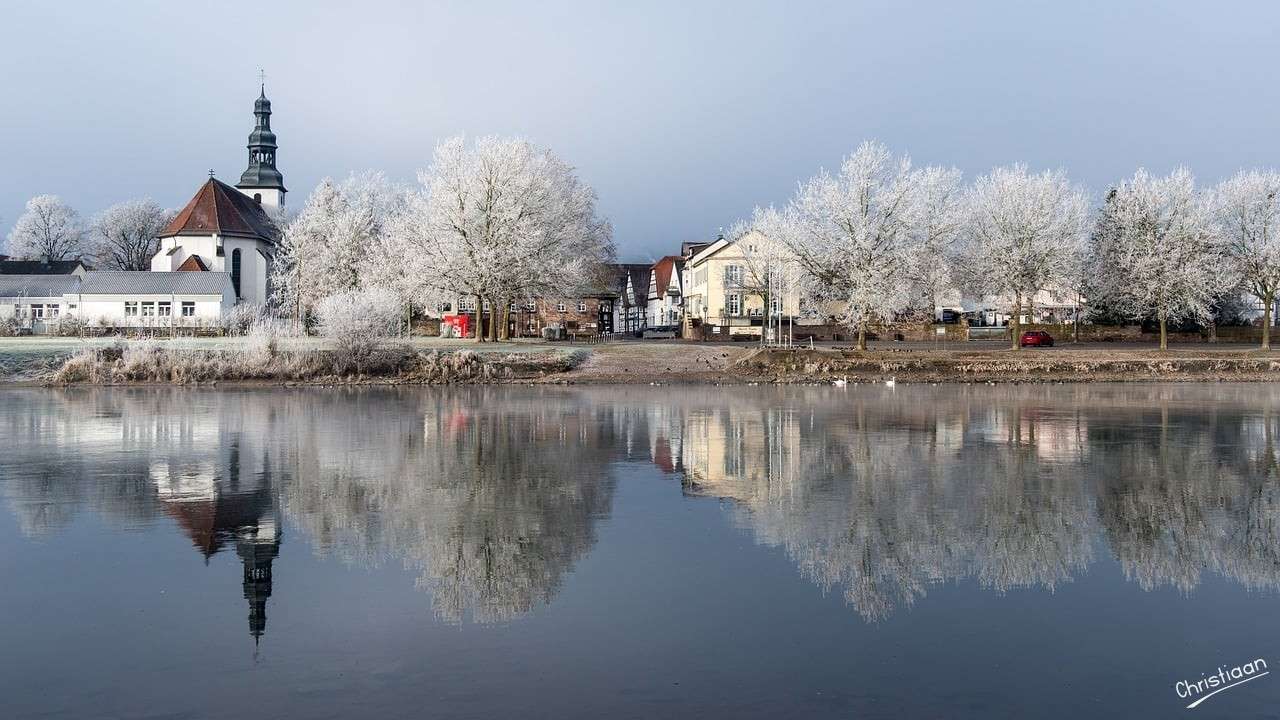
(682, 115)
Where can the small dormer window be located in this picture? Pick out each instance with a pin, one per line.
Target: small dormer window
(257, 197)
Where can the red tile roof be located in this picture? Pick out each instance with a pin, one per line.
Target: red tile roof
(220, 208)
(663, 269)
(193, 264)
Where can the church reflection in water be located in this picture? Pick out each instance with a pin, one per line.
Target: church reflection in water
(227, 501)
(492, 496)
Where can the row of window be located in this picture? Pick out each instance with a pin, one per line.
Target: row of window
(39, 311)
(161, 308)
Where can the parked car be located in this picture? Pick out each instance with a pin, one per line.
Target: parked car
(660, 331)
(1036, 338)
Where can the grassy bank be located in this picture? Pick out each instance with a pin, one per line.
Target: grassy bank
(1091, 365)
(150, 362)
(310, 362)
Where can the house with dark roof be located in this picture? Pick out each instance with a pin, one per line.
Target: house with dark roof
(41, 267)
(633, 292)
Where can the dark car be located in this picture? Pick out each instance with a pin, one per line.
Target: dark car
(1036, 338)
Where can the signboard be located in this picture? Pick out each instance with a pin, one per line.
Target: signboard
(940, 331)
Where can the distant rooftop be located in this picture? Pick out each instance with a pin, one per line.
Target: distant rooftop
(39, 267)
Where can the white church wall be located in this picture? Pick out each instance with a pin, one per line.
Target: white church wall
(268, 197)
(253, 268)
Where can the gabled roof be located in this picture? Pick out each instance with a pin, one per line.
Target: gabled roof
(663, 269)
(709, 250)
(192, 264)
(40, 267)
(621, 272)
(689, 248)
(222, 209)
(141, 282)
(639, 275)
(16, 286)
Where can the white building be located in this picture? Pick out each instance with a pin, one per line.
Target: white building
(226, 229)
(216, 252)
(117, 299)
(223, 231)
(665, 301)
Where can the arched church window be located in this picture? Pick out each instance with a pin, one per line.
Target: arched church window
(235, 271)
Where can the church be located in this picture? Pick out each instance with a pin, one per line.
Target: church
(216, 253)
(229, 229)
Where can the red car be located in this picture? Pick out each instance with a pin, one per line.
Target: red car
(1037, 338)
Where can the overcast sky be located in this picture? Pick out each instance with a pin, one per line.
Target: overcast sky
(682, 115)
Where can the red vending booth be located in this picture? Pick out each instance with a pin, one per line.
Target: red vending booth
(461, 324)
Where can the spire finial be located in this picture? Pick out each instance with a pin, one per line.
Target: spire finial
(210, 172)
(262, 81)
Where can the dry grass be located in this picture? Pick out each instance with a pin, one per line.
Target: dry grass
(1007, 365)
(262, 360)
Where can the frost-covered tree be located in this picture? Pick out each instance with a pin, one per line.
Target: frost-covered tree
(501, 220)
(938, 224)
(338, 242)
(1023, 231)
(48, 229)
(770, 270)
(123, 237)
(851, 232)
(1248, 214)
(1168, 257)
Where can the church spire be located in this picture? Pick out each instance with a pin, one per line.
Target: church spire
(261, 180)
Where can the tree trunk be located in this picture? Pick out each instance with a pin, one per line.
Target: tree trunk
(1267, 303)
(479, 331)
(1076, 330)
(862, 336)
(1015, 322)
(493, 320)
(1164, 333)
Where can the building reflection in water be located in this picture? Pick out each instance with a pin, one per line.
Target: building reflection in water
(493, 495)
(227, 500)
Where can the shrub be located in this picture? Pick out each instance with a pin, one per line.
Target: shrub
(357, 323)
(242, 318)
(72, 326)
(8, 327)
(262, 343)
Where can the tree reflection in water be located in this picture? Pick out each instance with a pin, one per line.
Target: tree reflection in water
(493, 495)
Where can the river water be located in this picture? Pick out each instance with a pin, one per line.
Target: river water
(951, 551)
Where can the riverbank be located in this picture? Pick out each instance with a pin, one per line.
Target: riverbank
(438, 362)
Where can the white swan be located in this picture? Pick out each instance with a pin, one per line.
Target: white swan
(891, 382)
(839, 382)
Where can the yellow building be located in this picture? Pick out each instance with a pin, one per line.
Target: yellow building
(725, 286)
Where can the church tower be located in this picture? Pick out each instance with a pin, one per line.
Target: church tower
(261, 180)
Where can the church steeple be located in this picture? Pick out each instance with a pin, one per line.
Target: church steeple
(261, 180)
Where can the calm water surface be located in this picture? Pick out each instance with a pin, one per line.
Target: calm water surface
(950, 552)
